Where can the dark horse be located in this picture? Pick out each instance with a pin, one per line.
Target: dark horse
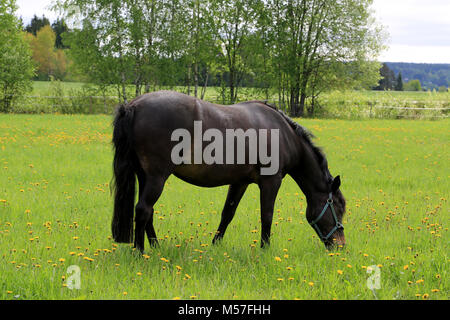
(143, 146)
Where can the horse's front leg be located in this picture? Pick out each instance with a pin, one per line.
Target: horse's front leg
(268, 187)
(235, 193)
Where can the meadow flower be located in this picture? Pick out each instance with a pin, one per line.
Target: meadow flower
(277, 259)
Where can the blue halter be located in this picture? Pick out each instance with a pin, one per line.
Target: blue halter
(337, 225)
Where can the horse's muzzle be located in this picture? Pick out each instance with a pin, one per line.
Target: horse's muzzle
(337, 241)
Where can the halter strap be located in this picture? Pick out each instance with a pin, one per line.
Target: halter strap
(337, 225)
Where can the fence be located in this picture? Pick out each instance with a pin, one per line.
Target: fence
(86, 104)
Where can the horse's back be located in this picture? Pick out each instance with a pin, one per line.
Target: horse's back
(159, 114)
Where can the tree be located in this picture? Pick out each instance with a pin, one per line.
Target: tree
(234, 21)
(16, 68)
(387, 81)
(36, 24)
(443, 89)
(310, 35)
(201, 49)
(399, 82)
(59, 27)
(43, 46)
(413, 85)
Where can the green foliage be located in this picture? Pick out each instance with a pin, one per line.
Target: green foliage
(413, 85)
(312, 42)
(16, 68)
(295, 49)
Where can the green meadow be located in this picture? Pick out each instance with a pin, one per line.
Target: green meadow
(56, 209)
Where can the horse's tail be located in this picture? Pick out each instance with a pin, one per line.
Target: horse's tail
(125, 165)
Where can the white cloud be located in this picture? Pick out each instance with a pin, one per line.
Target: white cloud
(29, 8)
(419, 30)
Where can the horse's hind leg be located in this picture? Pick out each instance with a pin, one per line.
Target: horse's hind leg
(153, 187)
(235, 193)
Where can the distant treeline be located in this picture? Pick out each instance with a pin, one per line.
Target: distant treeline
(431, 76)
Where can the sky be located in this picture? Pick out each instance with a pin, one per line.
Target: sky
(419, 30)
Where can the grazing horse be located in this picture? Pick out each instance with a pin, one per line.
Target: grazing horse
(143, 142)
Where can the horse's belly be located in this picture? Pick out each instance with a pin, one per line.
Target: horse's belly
(216, 175)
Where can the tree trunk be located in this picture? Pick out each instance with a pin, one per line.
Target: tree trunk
(189, 81)
(195, 79)
(204, 86)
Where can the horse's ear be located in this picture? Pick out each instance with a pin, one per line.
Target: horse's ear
(336, 184)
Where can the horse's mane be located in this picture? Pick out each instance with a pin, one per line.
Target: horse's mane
(307, 137)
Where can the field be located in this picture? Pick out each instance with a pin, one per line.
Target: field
(55, 211)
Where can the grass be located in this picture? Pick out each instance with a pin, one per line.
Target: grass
(55, 211)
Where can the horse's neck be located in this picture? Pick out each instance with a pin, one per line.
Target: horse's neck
(310, 177)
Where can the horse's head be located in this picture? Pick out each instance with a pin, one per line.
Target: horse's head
(325, 214)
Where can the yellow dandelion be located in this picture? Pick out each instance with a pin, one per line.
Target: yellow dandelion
(277, 259)
(311, 284)
(340, 272)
